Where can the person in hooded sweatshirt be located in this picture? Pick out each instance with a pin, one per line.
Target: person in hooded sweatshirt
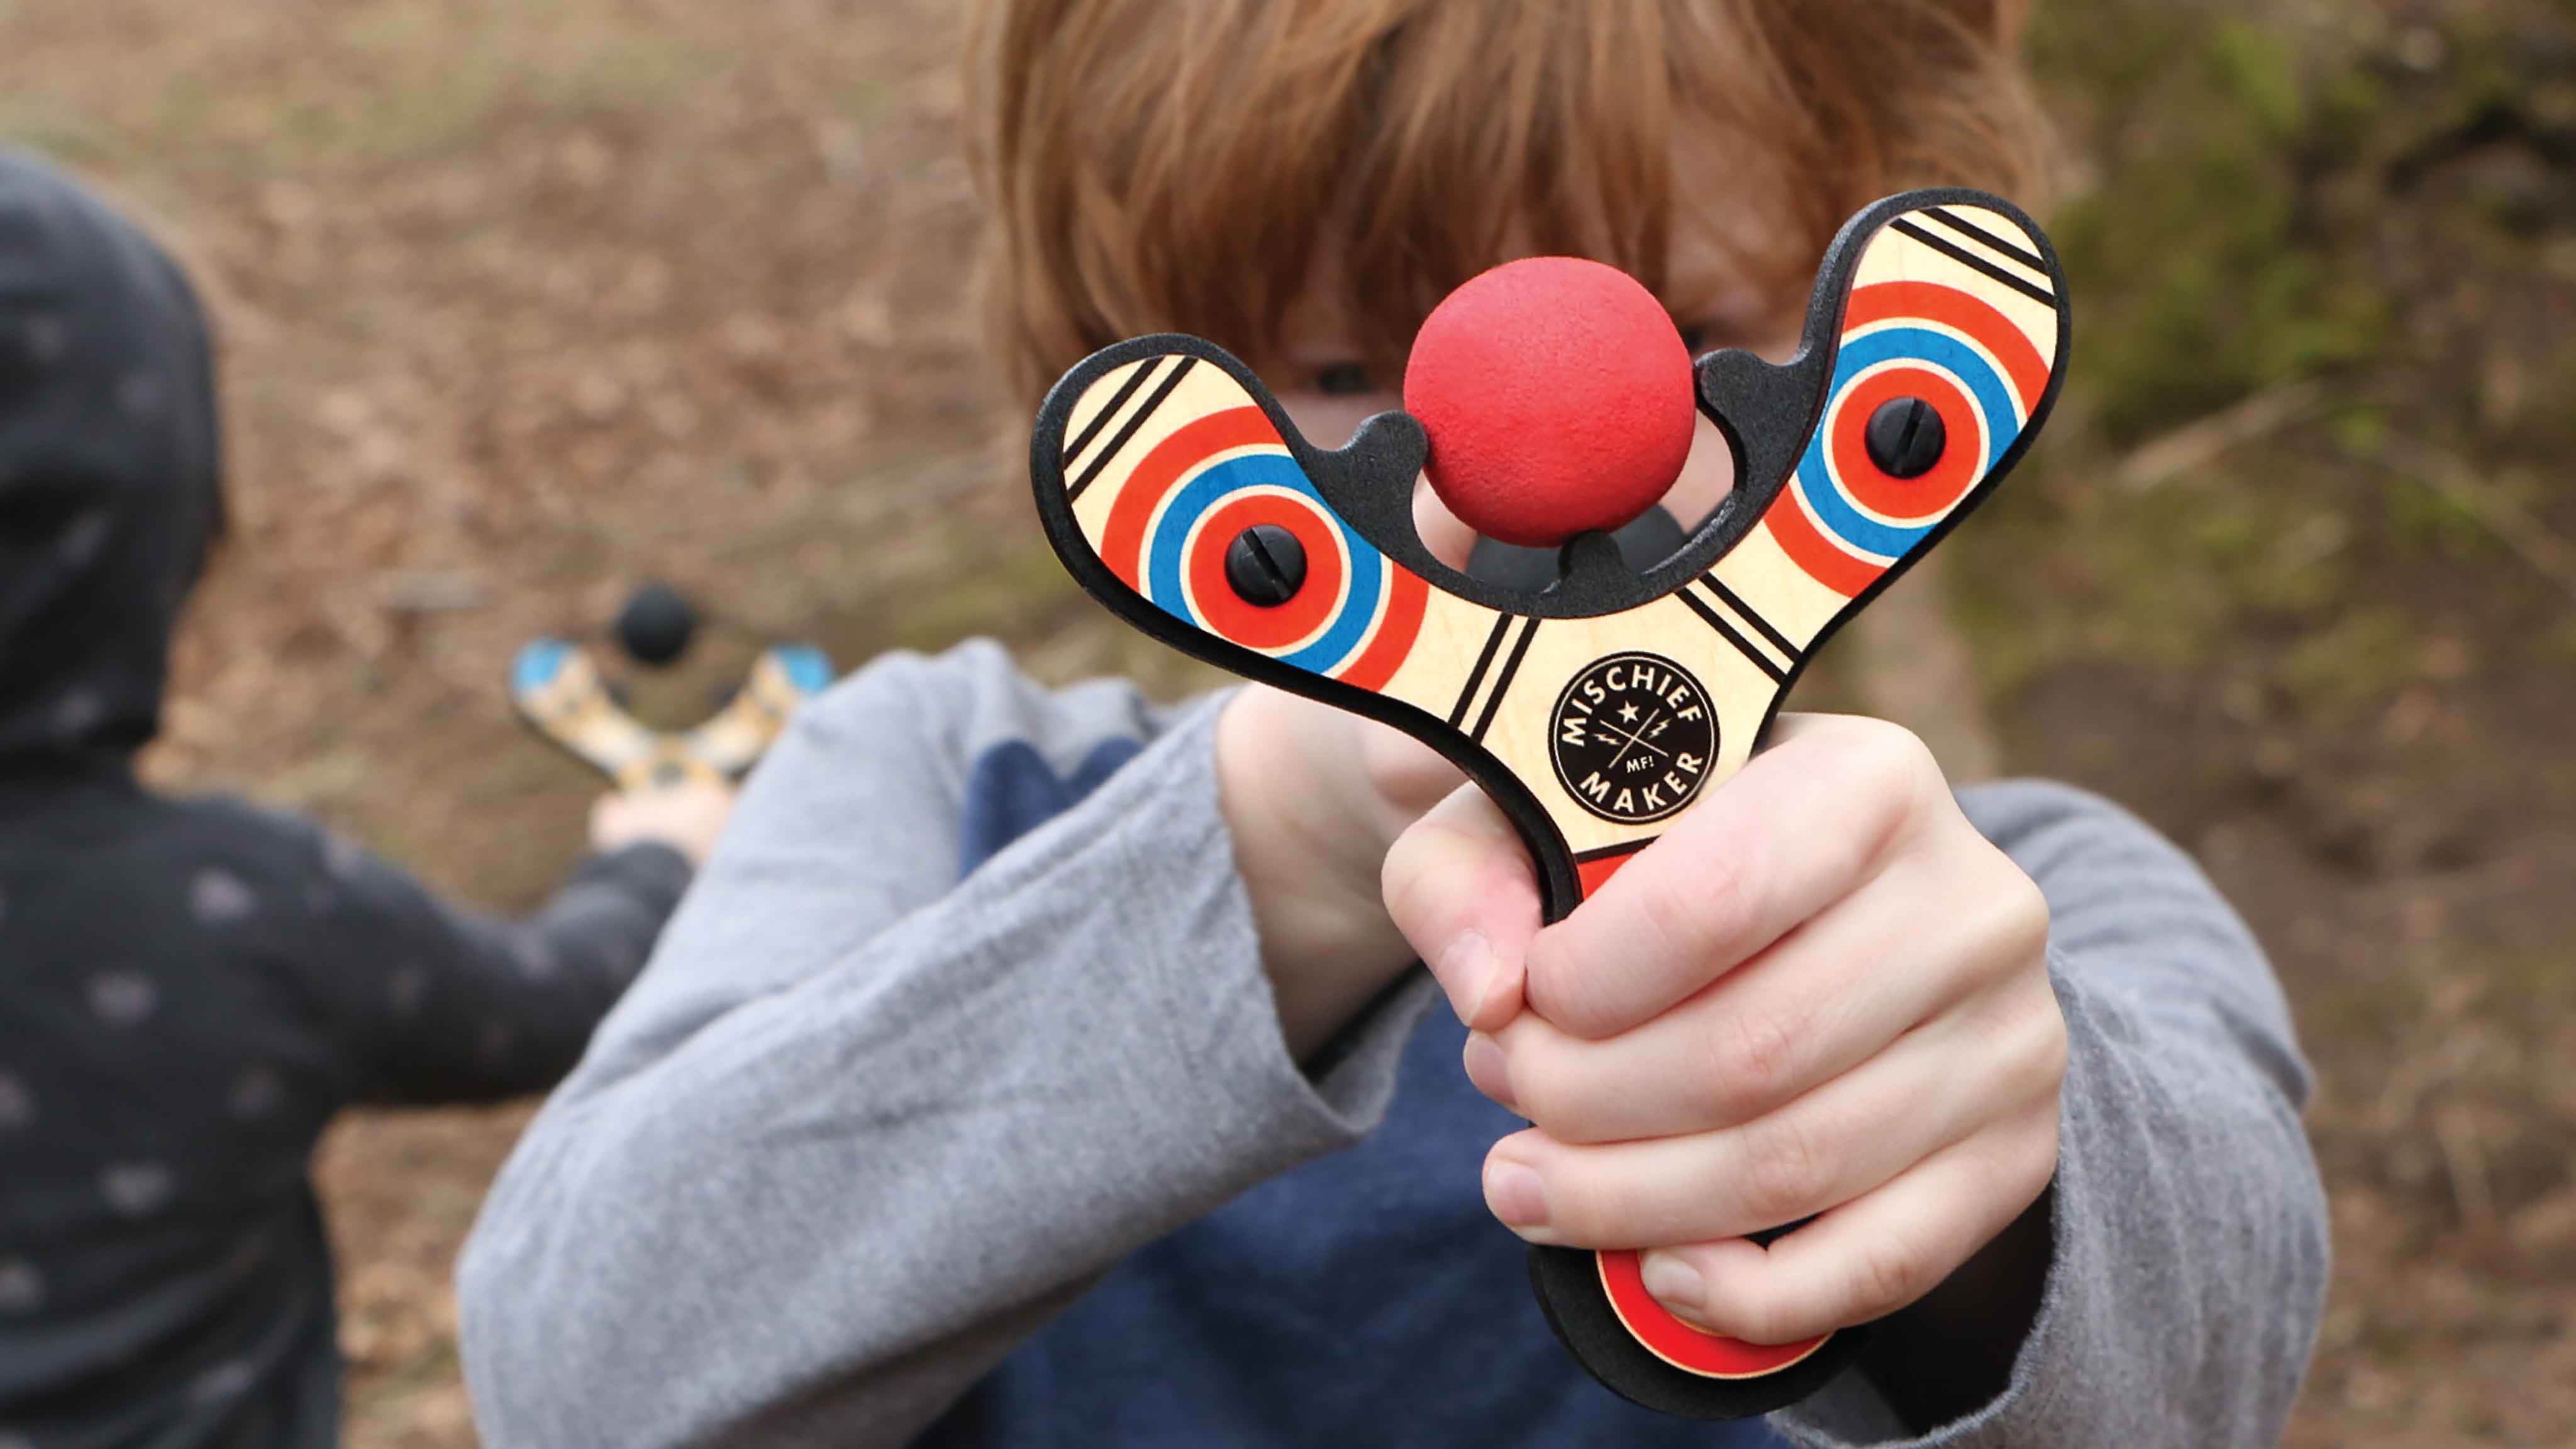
(190, 988)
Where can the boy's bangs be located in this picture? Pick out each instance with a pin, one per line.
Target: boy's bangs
(1193, 167)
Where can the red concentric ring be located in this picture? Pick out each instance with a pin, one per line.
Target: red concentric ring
(1252, 625)
(1971, 317)
(1191, 445)
(1906, 500)
(1820, 558)
(1407, 597)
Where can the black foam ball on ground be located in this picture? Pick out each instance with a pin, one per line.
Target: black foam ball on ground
(656, 624)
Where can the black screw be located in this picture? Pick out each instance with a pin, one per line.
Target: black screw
(1265, 565)
(1906, 437)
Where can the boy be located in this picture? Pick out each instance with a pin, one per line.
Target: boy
(1125, 1124)
(190, 988)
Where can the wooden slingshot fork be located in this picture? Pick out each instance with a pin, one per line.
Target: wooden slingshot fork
(558, 687)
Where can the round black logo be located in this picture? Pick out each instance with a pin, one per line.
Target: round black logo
(1633, 738)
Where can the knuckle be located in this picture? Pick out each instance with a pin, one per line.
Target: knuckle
(1540, 1095)
(1761, 1313)
(1403, 877)
(1999, 930)
(2045, 1056)
(1675, 914)
(2022, 1041)
(1894, 782)
(2020, 924)
(1431, 875)
(1720, 899)
(1591, 974)
(2034, 1161)
(1708, 902)
(1887, 1273)
(2014, 1162)
(1787, 1169)
(1893, 758)
(1563, 983)
(1751, 1064)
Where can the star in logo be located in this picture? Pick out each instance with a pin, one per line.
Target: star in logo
(1627, 714)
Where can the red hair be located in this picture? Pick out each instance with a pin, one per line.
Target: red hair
(1190, 165)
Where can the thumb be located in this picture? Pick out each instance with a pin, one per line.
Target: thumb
(1459, 884)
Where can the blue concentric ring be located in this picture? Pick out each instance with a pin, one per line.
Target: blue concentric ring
(1986, 388)
(1349, 627)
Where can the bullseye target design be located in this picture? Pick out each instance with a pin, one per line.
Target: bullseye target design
(1356, 614)
(1844, 520)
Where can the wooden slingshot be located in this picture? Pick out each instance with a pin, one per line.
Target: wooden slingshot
(1596, 707)
(559, 689)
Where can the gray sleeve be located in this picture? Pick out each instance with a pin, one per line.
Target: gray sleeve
(2187, 1268)
(862, 1127)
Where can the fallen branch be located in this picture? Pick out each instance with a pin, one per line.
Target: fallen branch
(2197, 444)
(2453, 481)
(2455, 1132)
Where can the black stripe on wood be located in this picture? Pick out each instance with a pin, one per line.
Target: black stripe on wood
(1117, 400)
(1746, 646)
(1971, 260)
(1476, 676)
(1985, 238)
(1074, 489)
(1503, 683)
(1751, 615)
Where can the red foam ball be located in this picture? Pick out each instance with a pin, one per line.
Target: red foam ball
(1558, 397)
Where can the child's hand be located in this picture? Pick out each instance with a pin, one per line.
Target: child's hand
(1313, 797)
(1822, 993)
(688, 818)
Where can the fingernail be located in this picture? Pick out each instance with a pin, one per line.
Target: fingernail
(1487, 1069)
(1514, 1194)
(1465, 970)
(1674, 1283)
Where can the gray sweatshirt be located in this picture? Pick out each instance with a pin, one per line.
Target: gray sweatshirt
(953, 1109)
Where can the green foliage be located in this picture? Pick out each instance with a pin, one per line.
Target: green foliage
(2348, 102)
(2361, 432)
(2421, 517)
(2196, 265)
(2363, 656)
(2255, 70)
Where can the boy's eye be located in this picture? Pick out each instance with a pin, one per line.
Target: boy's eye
(1344, 379)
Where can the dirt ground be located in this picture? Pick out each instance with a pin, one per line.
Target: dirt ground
(524, 302)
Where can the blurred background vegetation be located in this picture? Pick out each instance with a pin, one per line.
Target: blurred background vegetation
(524, 300)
